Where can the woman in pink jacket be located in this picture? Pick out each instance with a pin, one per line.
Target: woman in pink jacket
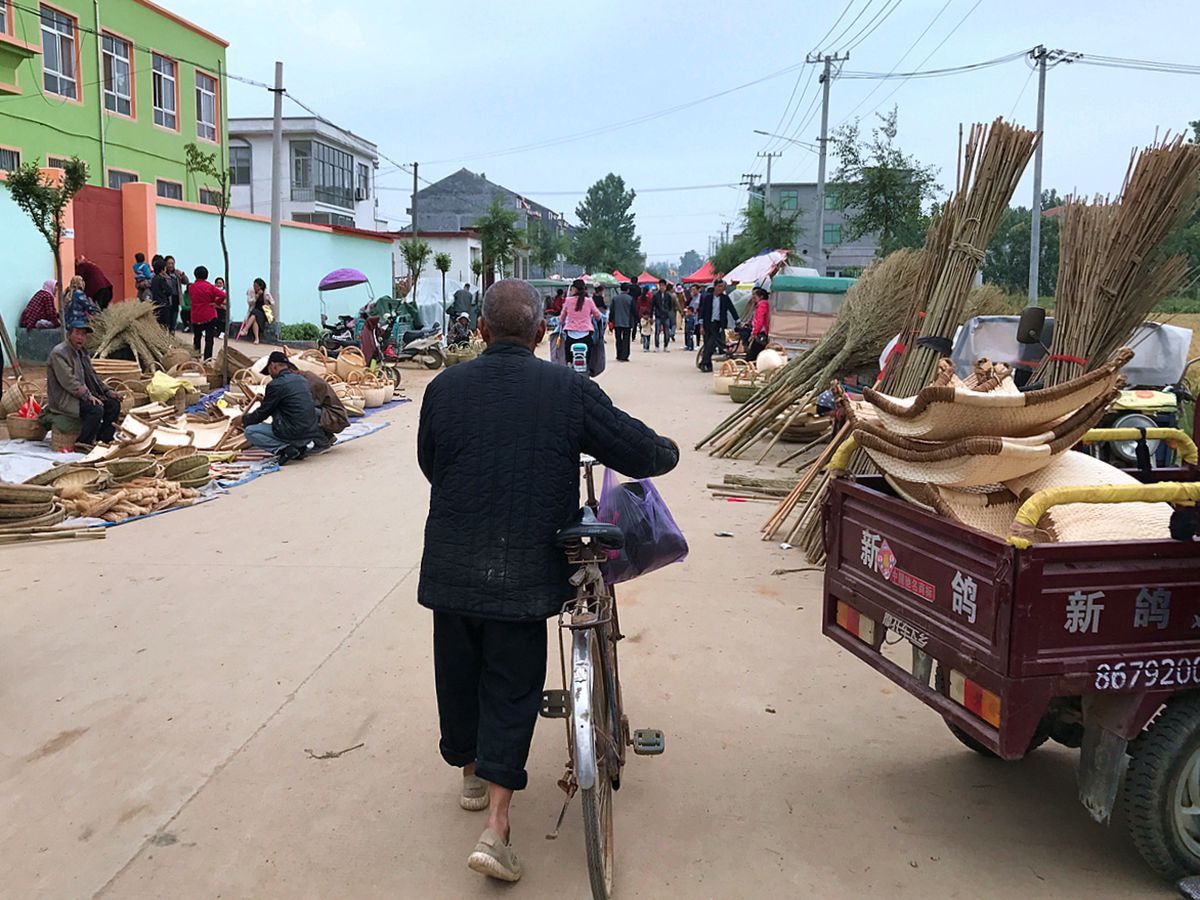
(578, 318)
(760, 324)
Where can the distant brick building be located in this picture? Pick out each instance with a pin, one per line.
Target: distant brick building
(840, 254)
(458, 201)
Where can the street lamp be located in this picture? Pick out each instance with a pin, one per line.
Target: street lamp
(812, 148)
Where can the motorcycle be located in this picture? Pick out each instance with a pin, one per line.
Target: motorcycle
(389, 345)
(336, 337)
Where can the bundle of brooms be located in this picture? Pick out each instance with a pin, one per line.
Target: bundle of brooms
(131, 326)
(1112, 269)
(993, 161)
(865, 322)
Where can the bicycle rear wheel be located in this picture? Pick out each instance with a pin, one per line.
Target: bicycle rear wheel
(594, 736)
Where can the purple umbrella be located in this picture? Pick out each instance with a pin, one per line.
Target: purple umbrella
(340, 278)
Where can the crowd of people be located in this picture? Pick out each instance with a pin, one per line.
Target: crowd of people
(655, 314)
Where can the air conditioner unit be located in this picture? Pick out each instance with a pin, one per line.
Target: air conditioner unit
(360, 193)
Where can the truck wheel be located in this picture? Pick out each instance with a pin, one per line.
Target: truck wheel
(1161, 794)
(941, 682)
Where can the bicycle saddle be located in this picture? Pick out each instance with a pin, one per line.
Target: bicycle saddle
(586, 525)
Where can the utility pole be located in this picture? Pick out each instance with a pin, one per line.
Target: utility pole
(823, 144)
(769, 157)
(1044, 59)
(276, 185)
(414, 202)
(749, 180)
(1038, 54)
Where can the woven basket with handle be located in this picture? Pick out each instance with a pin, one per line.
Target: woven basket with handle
(350, 360)
(21, 429)
(16, 392)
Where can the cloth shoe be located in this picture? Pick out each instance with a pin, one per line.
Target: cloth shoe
(474, 794)
(495, 858)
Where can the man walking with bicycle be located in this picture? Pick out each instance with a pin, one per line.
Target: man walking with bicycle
(505, 478)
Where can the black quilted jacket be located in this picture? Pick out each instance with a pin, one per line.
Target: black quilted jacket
(499, 441)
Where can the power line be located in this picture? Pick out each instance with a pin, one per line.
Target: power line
(835, 42)
(910, 49)
(615, 126)
(929, 55)
(873, 25)
(936, 73)
(1145, 65)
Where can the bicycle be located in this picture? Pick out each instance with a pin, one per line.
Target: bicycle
(597, 728)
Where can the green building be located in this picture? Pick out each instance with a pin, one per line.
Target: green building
(122, 84)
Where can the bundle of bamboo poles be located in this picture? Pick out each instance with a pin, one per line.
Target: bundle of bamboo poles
(994, 159)
(865, 322)
(1112, 271)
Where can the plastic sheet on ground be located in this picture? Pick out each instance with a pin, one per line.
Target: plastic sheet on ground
(21, 460)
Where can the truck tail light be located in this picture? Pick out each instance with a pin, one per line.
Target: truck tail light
(856, 623)
(974, 697)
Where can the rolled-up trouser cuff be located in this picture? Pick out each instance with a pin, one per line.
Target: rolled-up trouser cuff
(513, 779)
(457, 758)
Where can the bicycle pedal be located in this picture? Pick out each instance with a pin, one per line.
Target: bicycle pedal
(555, 704)
(649, 742)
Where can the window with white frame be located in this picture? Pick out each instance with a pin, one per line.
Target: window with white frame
(59, 75)
(56, 162)
(322, 173)
(239, 164)
(3, 17)
(118, 76)
(364, 182)
(166, 111)
(116, 178)
(210, 197)
(171, 190)
(206, 107)
(9, 159)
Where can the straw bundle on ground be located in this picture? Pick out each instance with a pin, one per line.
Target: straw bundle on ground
(1112, 270)
(131, 326)
(865, 322)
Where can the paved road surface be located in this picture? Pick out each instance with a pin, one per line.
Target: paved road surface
(159, 691)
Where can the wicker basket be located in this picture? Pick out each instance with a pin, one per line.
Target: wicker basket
(193, 371)
(741, 391)
(72, 477)
(20, 429)
(729, 371)
(25, 493)
(350, 359)
(186, 467)
(48, 520)
(122, 470)
(63, 440)
(176, 356)
(10, 511)
(319, 357)
(15, 393)
(375, 395)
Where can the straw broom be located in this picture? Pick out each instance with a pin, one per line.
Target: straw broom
(1112, 270)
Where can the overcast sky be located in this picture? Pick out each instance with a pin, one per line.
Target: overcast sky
(451, 85)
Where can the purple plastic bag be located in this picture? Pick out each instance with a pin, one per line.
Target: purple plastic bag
(652, 539)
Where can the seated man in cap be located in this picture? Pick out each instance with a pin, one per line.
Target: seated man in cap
(460, 331)
(289, 405)
(76, 398)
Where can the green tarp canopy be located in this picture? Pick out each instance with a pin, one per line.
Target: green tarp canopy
(808, 284)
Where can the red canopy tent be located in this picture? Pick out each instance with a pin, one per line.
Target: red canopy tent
(647, 278)
(624, 278)
(703, 275)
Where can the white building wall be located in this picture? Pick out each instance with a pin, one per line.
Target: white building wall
(459, 249)
(257, 197)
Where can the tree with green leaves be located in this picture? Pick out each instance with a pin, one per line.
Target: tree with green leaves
(1006, 263)
(199, 163)
(442, 262)
(882, 190)
(45, 202)
(477, 269)
(764, 227)
(689, 263)
(545, 246)
(607, 237)
(498, 238)
(416, 253)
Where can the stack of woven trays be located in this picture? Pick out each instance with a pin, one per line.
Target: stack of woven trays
(26, 507)
(974, 450)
